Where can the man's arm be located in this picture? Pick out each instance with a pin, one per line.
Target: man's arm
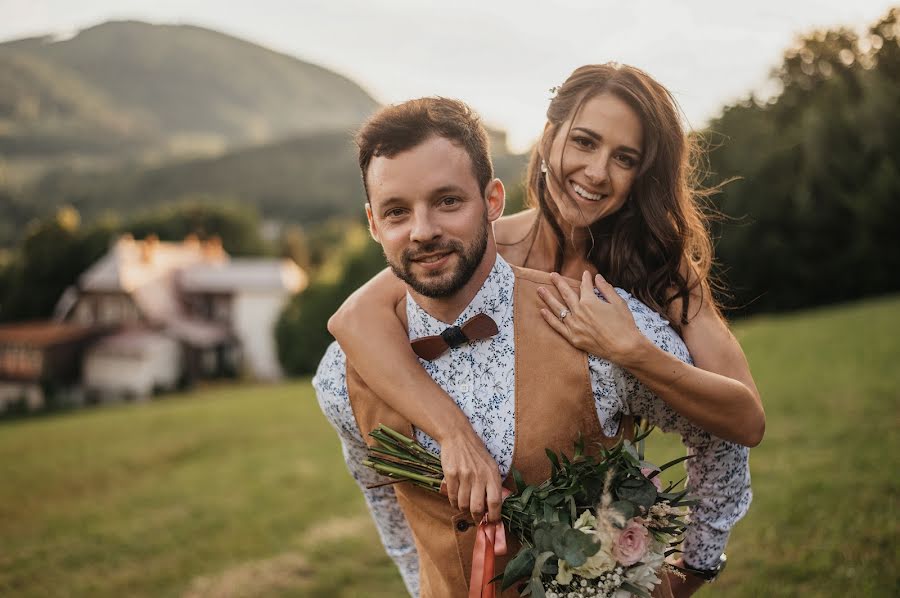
(330, 383)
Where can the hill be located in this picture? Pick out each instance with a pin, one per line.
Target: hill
(166, 83)
(126, 115)
(304, 179)
(242, 491)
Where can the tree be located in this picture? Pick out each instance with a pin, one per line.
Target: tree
(814, 212)
(301, 333)
(54, 253)
(236, 224)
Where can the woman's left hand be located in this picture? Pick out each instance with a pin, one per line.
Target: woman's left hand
(603, 328)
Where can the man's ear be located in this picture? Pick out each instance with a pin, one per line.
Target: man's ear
(373, 230)
(495, 196)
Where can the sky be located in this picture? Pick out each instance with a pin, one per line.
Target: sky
(500, 56)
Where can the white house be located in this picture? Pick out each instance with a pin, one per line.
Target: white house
(178, 311)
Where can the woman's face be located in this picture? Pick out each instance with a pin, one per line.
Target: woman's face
(594, 163)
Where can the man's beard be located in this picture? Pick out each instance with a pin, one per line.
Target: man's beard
(469, 259)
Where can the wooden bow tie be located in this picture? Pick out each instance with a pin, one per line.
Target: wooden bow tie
(475, 328)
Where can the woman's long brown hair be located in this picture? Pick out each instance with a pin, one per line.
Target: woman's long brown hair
(659, 239)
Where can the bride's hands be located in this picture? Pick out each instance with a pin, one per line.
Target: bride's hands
(471, 474)
(603, 328)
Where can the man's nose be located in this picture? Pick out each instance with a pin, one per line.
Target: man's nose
(424, 228)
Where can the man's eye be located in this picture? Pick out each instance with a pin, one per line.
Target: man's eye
(450, 201)
(395, 213)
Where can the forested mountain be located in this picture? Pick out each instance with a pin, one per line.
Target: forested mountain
(127, 115)
(135, 81)
(305, 179)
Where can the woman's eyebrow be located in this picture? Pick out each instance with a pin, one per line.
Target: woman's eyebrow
(599, 137)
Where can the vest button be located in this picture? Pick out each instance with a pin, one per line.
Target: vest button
(462, 525)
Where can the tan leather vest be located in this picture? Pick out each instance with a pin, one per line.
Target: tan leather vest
(554, 404)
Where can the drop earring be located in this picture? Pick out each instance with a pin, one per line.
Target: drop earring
(543, 167)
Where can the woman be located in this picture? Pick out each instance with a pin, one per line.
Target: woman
(609, 193)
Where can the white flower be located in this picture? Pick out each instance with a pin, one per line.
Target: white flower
(564, 575)
(644, 574)
(585, 522)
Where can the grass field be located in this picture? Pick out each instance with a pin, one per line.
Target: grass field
(241, 491)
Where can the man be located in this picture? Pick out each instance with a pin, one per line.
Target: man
(431, 201)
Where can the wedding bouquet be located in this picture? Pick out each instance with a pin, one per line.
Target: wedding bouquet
(599, 526)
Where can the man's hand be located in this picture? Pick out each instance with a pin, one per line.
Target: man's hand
(682, 588)
(471, 474)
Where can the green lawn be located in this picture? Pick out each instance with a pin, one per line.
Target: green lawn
(241, 491)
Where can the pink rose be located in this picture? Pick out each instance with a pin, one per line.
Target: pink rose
(632, 544)
(655, 479)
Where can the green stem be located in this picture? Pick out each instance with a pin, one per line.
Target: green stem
(402, 473)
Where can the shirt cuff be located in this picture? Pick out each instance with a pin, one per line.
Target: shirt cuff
(703, 545)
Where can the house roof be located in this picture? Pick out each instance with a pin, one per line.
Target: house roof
(132, 264)
(42, 334)
(243, 274)
(154, 273)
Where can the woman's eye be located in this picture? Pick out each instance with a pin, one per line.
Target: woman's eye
(626, 160)
(585, 142)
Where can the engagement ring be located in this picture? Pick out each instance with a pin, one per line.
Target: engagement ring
(563, 314)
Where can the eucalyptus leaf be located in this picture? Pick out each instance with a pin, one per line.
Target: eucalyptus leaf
(626, 508)
(574, 547)
(543, 541)
(638, 490)
(520, 566)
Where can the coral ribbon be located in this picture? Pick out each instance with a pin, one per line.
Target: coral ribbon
(490, 541)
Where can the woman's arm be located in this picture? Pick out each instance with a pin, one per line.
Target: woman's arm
(375, 341)
(718, 395)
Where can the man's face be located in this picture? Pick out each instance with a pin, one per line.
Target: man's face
(430, 217)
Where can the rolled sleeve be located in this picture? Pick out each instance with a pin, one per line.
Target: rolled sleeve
(718, 472)
(330, 383)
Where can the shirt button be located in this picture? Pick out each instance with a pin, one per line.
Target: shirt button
(462, 525)
(463, 388)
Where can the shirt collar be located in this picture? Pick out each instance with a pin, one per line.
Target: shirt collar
(494, 298)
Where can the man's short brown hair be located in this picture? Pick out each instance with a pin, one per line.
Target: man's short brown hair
(401, 127)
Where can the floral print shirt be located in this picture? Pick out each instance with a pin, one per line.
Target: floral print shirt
(480, 376)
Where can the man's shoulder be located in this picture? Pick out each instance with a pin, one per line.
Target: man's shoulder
(331, 375)
(537, 277)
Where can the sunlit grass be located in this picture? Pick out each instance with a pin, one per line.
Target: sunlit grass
(242, 491)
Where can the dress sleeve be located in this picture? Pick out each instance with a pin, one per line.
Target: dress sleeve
(330, 383)
(718, 472)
